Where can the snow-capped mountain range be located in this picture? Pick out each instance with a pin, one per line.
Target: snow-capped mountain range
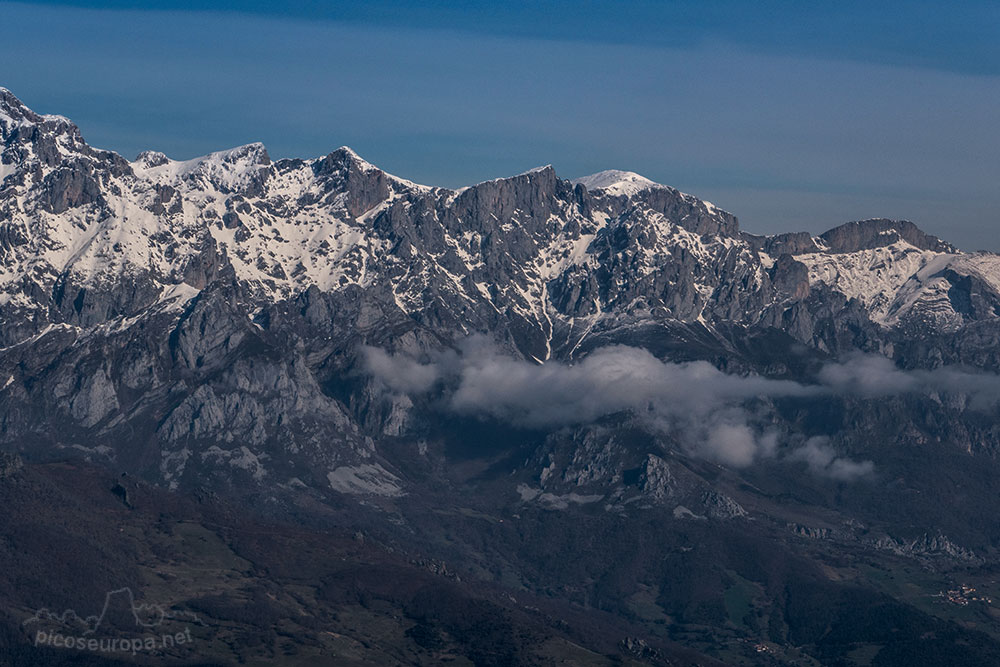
(155, 310)
(77, 224)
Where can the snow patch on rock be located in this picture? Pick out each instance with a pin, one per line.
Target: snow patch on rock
(616, 182)
(365, 479)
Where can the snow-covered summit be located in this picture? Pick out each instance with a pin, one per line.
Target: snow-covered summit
(536, 170)
(229, 169)
(352, 155)
(617, 182)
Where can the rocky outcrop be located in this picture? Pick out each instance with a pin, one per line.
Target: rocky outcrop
(790, 278)
(72, 185)
(790, 243)
(878, 233)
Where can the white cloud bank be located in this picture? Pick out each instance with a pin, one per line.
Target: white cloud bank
(706, 407)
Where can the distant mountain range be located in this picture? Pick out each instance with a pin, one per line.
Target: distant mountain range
(564, 353)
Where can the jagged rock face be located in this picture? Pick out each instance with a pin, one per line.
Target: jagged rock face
(790, 243)
(790, 278)
(878, 233)
(207, 314)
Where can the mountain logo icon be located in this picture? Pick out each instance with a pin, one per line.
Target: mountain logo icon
(120, 612)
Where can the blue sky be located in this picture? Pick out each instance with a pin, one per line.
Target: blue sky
(793, 115)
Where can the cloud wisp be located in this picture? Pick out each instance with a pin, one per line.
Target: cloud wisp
(870, 376)
(823, 460)
(711, 412)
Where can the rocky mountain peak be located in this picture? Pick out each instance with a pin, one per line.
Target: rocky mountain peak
(253, 153)
(148, 159)
(15, 116)
(28, 136)
(13, 110)
(543, 171)
(345, 155)
(342, 161)
(879, 233)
